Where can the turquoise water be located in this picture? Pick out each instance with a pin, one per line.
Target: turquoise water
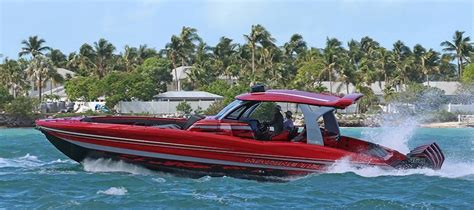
(33, 174)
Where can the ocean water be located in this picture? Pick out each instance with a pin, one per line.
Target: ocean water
(33, 174)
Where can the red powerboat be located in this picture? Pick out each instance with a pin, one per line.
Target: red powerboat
(235, 142)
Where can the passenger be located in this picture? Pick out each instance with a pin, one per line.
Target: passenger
(288, 123)
(277, 121)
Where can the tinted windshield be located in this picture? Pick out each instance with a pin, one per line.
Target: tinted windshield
(229, 107)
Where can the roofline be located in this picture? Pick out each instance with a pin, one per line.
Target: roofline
(336, 102)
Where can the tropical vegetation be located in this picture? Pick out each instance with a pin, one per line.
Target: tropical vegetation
(229, 68)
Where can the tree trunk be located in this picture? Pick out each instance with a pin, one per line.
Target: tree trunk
(253, 60)
(253, 65)
(330, 81)
(175, 71)
(51, 87)
(347, 88)
(427, 80)
(39, 88)
(460, 67)
(13, 91)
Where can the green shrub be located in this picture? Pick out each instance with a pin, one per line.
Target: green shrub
(22, 106)
(445, 116)
(184, 107)
(5, 97)
(199, 111)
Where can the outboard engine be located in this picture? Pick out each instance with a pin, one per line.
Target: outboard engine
(425, 156)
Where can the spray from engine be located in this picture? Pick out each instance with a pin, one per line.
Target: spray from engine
(397, 129)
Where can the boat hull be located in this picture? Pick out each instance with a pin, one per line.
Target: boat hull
(195, 154)
(172, 164)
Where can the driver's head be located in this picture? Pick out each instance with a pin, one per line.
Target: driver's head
(277, 108)
(288, 114)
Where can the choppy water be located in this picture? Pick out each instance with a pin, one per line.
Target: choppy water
(33, 174)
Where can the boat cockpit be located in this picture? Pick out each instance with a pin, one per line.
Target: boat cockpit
(249, 119)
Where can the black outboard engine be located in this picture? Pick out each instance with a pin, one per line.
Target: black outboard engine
(425, 156)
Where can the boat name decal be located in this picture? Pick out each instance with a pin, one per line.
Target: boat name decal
(282, 163)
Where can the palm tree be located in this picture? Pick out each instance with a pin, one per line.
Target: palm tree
(173, 52)
(400, 50)
(188, 39)
(103, 53)
(430, 63)
(143, 53)
(130, 59)
(401, 61)
(12, 75)
(38, 69)
(224, 54)
(447, 70)
(355, 54)
(347, 75)
(295, 46)
(368, 46)
(258, 34)
(33, 46)
(57, 57)
(332, 53)
(182, 47)
(384, 65)
(368, 71)
(84, 61)
(460, 48)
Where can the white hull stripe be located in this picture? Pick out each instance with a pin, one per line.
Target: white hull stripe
(124, 139)
(200, 148)
(181, 158)
(223, 127)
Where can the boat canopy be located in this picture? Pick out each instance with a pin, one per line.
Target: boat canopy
(302, 97)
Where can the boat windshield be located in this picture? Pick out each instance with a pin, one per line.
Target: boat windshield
(228, 108)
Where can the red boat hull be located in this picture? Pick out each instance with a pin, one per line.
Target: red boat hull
(190, 152)
(195, 153)
(187, 168)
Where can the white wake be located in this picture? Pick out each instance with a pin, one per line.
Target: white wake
(108, 165)
(450, 169)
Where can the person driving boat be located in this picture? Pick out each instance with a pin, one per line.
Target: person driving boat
(277, 121)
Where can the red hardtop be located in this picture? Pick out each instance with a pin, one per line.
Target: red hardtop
(302, 97)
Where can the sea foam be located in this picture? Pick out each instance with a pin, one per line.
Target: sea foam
(27, 161)
(450, 169)
(108, 165)
(114, 191)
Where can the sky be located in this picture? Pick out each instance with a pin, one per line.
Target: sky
(68, 24)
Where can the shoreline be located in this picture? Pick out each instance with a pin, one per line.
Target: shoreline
(9, 121)
(425, 125)
(446, 125)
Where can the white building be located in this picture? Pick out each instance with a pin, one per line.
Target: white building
(51, 88)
